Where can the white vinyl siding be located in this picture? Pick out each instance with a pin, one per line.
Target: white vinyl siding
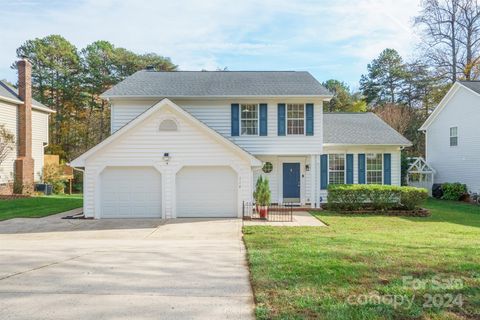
(39, 139)
(459, 163)
(8, 117)
(216, 114)
(144, 145)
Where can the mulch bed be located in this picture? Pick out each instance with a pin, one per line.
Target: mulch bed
(401, 213)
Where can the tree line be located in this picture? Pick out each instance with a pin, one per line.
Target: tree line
(70, 81)
(403, 93)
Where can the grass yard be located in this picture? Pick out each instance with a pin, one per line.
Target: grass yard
(354, 268)
(37, 207)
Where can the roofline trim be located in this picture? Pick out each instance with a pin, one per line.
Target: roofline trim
(104, 96)
(368, 144)
(11, 100)
(441, 105)
(34, 106)
(45, 109)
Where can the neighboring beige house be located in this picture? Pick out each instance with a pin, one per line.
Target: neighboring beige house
(192, 144)
(452, 134)
(27, 120)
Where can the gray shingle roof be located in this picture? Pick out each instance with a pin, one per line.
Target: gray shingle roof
(359, 128)
(473, 85)
(10, 92)
(218, 83)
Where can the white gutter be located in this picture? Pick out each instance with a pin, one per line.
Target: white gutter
(11, 100)
(40, 108)
(15, 101)
(214, 96)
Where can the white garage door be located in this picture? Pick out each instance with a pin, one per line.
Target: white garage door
(206, 192)
(131, 192)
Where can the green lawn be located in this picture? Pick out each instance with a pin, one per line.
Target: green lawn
(37, 207)
(340, 271)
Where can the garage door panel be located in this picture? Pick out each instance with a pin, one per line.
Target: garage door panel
(207, 192)
(131, 192)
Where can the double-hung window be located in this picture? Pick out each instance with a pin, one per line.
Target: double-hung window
(374, 168)
(249, 119)
(336, 168)
(295, 119)
(453, 136)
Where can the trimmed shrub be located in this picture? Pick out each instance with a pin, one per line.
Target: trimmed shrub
(453, 191)
(411, 198)
(346, 197)
(377, 197)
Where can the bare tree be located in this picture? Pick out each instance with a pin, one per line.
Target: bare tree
(7, 143)
(397, 116)
(469, 36)
(439, 21)
(451, 34)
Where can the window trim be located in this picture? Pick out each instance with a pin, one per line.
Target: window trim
(241, 118)
(344, 168)
(304, 120)
(366, 167)
(450, 136)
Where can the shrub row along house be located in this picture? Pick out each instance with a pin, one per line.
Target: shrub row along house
(452, 134)
(27, 121)
(192, 144)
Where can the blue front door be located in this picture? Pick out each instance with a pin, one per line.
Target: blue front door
(291, 182)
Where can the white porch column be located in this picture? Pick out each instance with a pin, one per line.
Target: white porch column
(313, 181)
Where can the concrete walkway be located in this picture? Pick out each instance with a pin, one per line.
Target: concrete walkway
(300, 219)
(123, 269)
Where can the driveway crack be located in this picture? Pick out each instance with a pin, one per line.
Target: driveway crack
(42, 266)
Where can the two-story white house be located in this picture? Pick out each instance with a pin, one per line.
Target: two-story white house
(452, 135)
(192, 144)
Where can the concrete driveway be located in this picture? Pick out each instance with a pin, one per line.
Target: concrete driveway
(123, 269)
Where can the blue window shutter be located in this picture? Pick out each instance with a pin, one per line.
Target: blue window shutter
(349, 168)
(323, 171)
(387, 168)
(309, 118)
(361, 168)
(281, 119)
(263, 119)
(235, 119)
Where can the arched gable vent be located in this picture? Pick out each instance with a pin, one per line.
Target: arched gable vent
(168, 125)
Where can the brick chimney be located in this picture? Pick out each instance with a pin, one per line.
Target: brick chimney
(24, 163)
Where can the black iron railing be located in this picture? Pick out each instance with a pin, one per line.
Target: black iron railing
(277, 212)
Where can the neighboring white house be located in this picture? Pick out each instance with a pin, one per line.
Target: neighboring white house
(453, 136)
(192, 144)
(27, 120)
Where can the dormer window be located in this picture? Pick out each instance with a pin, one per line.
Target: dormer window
(249, 119)
(295, 119)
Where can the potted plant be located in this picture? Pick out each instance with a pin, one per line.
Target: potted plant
(262, 196)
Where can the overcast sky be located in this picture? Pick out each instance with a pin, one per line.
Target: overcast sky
(329, 38)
